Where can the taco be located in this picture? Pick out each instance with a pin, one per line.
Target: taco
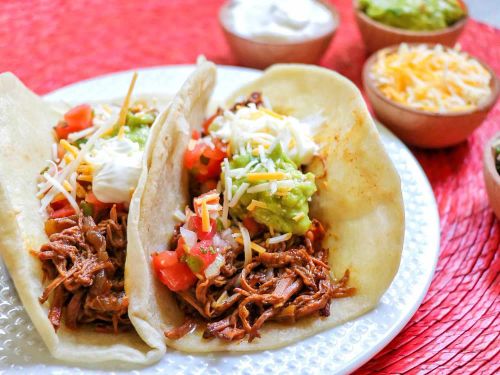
(67, 181)
(278, 217)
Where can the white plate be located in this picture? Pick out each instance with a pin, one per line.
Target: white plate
(339, 350)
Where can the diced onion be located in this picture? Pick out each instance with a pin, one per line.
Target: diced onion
(189, 236)
(214, 268)
(179, 215)
(227, 235)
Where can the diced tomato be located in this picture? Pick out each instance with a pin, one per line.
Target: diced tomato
(175, 274)
(195, 135)
(208, 185)
(195, 225)
(203, 161)
(253, 227)
(61, 208)
(76, 119)
(201, 256)
(97, 205)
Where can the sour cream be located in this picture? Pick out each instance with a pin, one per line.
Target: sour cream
(116, 166)
(280, 21)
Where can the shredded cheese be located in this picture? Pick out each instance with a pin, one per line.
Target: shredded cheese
(66, 185)
(255, 204)
(205, 217)
(257, 176)
(126, 103)
(238, 194)
(85, 177)
(437, 79)
(253, 245)
(62, 190)
(278, 239)
(246, 244)
(299, 216)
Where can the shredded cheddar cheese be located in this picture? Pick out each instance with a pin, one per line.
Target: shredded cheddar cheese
(205, 216)
(299, 216)
(69, 148)
(257, 176)
(255, 204)
(438, 79)
(253, 245)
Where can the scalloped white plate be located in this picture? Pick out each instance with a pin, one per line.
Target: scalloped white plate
(339, 350)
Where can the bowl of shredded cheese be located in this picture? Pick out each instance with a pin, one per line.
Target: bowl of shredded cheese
(428, 94)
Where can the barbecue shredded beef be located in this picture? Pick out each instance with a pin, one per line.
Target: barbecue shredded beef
(290, 281)
(84, 266)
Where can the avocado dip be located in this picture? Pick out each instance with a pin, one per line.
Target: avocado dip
(420, 15)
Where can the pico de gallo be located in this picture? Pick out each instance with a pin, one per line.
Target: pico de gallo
(247, 250)
(84, 192)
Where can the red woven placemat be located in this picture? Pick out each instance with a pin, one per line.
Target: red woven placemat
(49, 44)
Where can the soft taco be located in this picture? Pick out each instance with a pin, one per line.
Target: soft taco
(278, 217)
(66, 183)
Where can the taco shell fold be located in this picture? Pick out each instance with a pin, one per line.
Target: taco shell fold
(26, 137)
(359, 201)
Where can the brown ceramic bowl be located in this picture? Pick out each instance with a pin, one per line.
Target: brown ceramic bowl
(377, 35)
(491, 176)
(426, 129)
(260, 55)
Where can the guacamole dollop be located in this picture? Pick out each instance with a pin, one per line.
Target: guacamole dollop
(137, 127)
(286, 209)
(423, 15)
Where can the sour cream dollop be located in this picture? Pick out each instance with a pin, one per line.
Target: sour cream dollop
(116, 169)
(280, 21)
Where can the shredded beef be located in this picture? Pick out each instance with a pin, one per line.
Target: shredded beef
(83, 264)
(290, 281)
(255, 98)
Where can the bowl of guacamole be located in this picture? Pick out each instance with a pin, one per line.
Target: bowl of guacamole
(383, 23)
(418, 15)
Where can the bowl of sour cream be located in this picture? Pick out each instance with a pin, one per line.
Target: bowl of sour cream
(264, 32)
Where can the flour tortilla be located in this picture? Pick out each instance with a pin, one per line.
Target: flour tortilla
(26, 137)
(358, 200)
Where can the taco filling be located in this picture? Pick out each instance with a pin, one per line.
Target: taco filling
(247, 250)
(85, 192)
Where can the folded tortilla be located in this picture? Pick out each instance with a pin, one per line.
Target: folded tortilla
(359, 200)
(26, 137)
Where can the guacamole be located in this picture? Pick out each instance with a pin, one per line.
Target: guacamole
(287, 209)
(422, 15)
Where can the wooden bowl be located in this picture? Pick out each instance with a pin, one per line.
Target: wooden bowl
(426, 129)
(491, 176)
(377, 35)
(260, 55)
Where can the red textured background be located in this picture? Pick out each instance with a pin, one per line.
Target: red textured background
(49, 44)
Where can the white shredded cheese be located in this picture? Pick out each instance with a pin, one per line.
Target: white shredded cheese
(238, 194)
(247, 243)
(59, 189)
(278, 239)
(72, 137)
